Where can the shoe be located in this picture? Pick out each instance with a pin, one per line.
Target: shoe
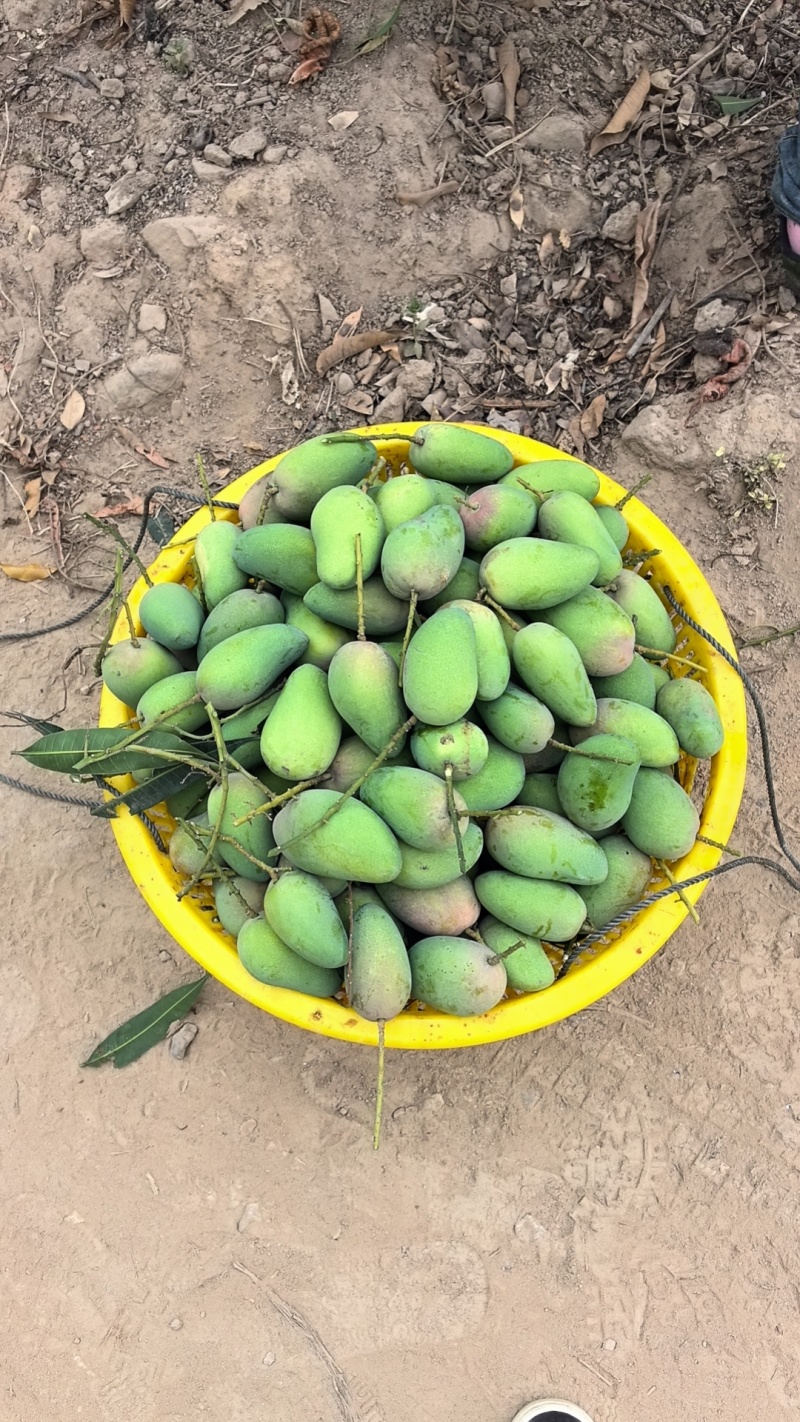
(551, 1409)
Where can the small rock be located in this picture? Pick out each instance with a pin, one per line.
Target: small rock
(468, 338)
(269, 1360)
(119, 71)
(21, 182)
(127, 191)
(786, 299)
(202, 136)
(658, 436)
(558, 133)
(215, 153)
(151, 318)
(715, 315)
(275, 154)
(174, 240)
(620, 226)
(104, 243)
(248, 145)
(278, 73)
(144, 379)
(344, 383)
(249, 1215)
(416, 378)
(508, 286)
(609, 1344)
(129, 163)
(209, 172)
(494, 97)
(181, 1041)
(239, 99)
(391, 407)
(176, 1324)
(112, 89)
(662, 181)
(704, 366)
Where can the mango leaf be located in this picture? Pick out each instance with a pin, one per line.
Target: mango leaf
(67, 750)
(380, 35)
(43, 727)
(152, 792)
(731, 105)
(136, 1036)
(160, 526)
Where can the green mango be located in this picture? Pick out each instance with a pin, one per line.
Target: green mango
(517, 720)
(307, 472)
(355, 896)
(496, 513)
(568, 518)
(423, 555)
(414, 805)
(458, 456)
(516, 479)
(266, 958)
(354, 844)
(255, 837)
(237, 613)
(236, 901)
(531, 573)
(217, 569)
(301, 911)
(282, 553)
(456, 975)
(693, 716)
(594, 788)
(498, 783)
(302, 733)
(379, 973)
(170, 615)
(244, 666)
(538, 907)
(362, 680)
(600, 629)
(545, 476)
(540, 845)
(661, 675)
(629, 874)
(494, 662)
(241, 725)
(661, 820)
(652, 736)
(440, 673)
(343, 518)
(551, 756)
(614, 524)
(646, 610)
(190, 800)
(334, 887)
(402, 498)
(324, 638)
(541, 790)
(188, 845)
(462, 747)
(527, 966)
(256, 505)
(350, 762)
(168, 694)
(549, 664)
(130, 668)
(635, 683)
(450, 908)
(451, 494)
(464, 585)
(432, 868)
(383, 614)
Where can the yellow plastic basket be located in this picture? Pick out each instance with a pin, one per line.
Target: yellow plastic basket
(191, 923)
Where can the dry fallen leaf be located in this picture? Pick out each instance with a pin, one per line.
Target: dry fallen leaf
(739, 359)
(508, 64)
(343, 120)
(644, 245)
(33, 496)
(360, 402)
(426, 195)
(349, 325)
(341, 349)
(592, 417)
(617, 127)
(126, 11)
(74, 410)
(26, 572)
(547, 247)
(135, 506)
(516, 208)
(153, 456)
(240, 9)
(565, 239)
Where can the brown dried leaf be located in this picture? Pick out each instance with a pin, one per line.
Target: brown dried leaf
(592, 417)
(576, 435)
(547, 247)
(349, 325)
(421, 199)
(508, 64)
(359, 401)
(74, 410)
(644, 245)
(135, 506)
(618, 125)
(340, 350)
(153, 456)
(516, 208)
(26, 572)
(33, 496)
(126, 12)
(339, 122)
(306, 70)
(240, 9)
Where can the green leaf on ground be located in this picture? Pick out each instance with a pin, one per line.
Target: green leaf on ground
(136, 1036)
(731, 105)
(381, 35)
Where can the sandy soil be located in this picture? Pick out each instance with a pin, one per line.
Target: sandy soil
(608, 1209)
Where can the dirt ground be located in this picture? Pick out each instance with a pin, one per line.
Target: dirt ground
(606, 1210)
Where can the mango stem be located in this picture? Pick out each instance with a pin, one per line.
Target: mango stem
(412, 607)
(588, 755)
(201, 474)
(501, 612)
(688, 905)
(376, 1134)
(270, 805)
(645, 479)
(669, 657)
(453, 814)
(362, 632)
(121, 543)
(216, 829)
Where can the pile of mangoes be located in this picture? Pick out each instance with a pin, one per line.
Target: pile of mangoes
(450, 718)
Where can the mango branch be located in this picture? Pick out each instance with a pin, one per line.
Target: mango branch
(281, 799)
(121, 543)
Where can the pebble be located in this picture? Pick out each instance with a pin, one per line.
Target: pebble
(269, 1360)
(214, 153)
(620, 226)
(119, 71)
(181, 1041)
(658, 436)
(508, 286)
(715, 316)
(21, 181)
(143, 380)
(129, 163)
(112, 89)
(126, 192)
(345, 383)
(278, 73)
(416, 378)
(176, 1324)
(248, 145)
(104, 243)
(391, 407)
(494, 97)
(209, 172)
(152, 318)
(558, 133)
(275, 154)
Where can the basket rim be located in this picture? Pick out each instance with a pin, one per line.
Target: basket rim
(422, 1028)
